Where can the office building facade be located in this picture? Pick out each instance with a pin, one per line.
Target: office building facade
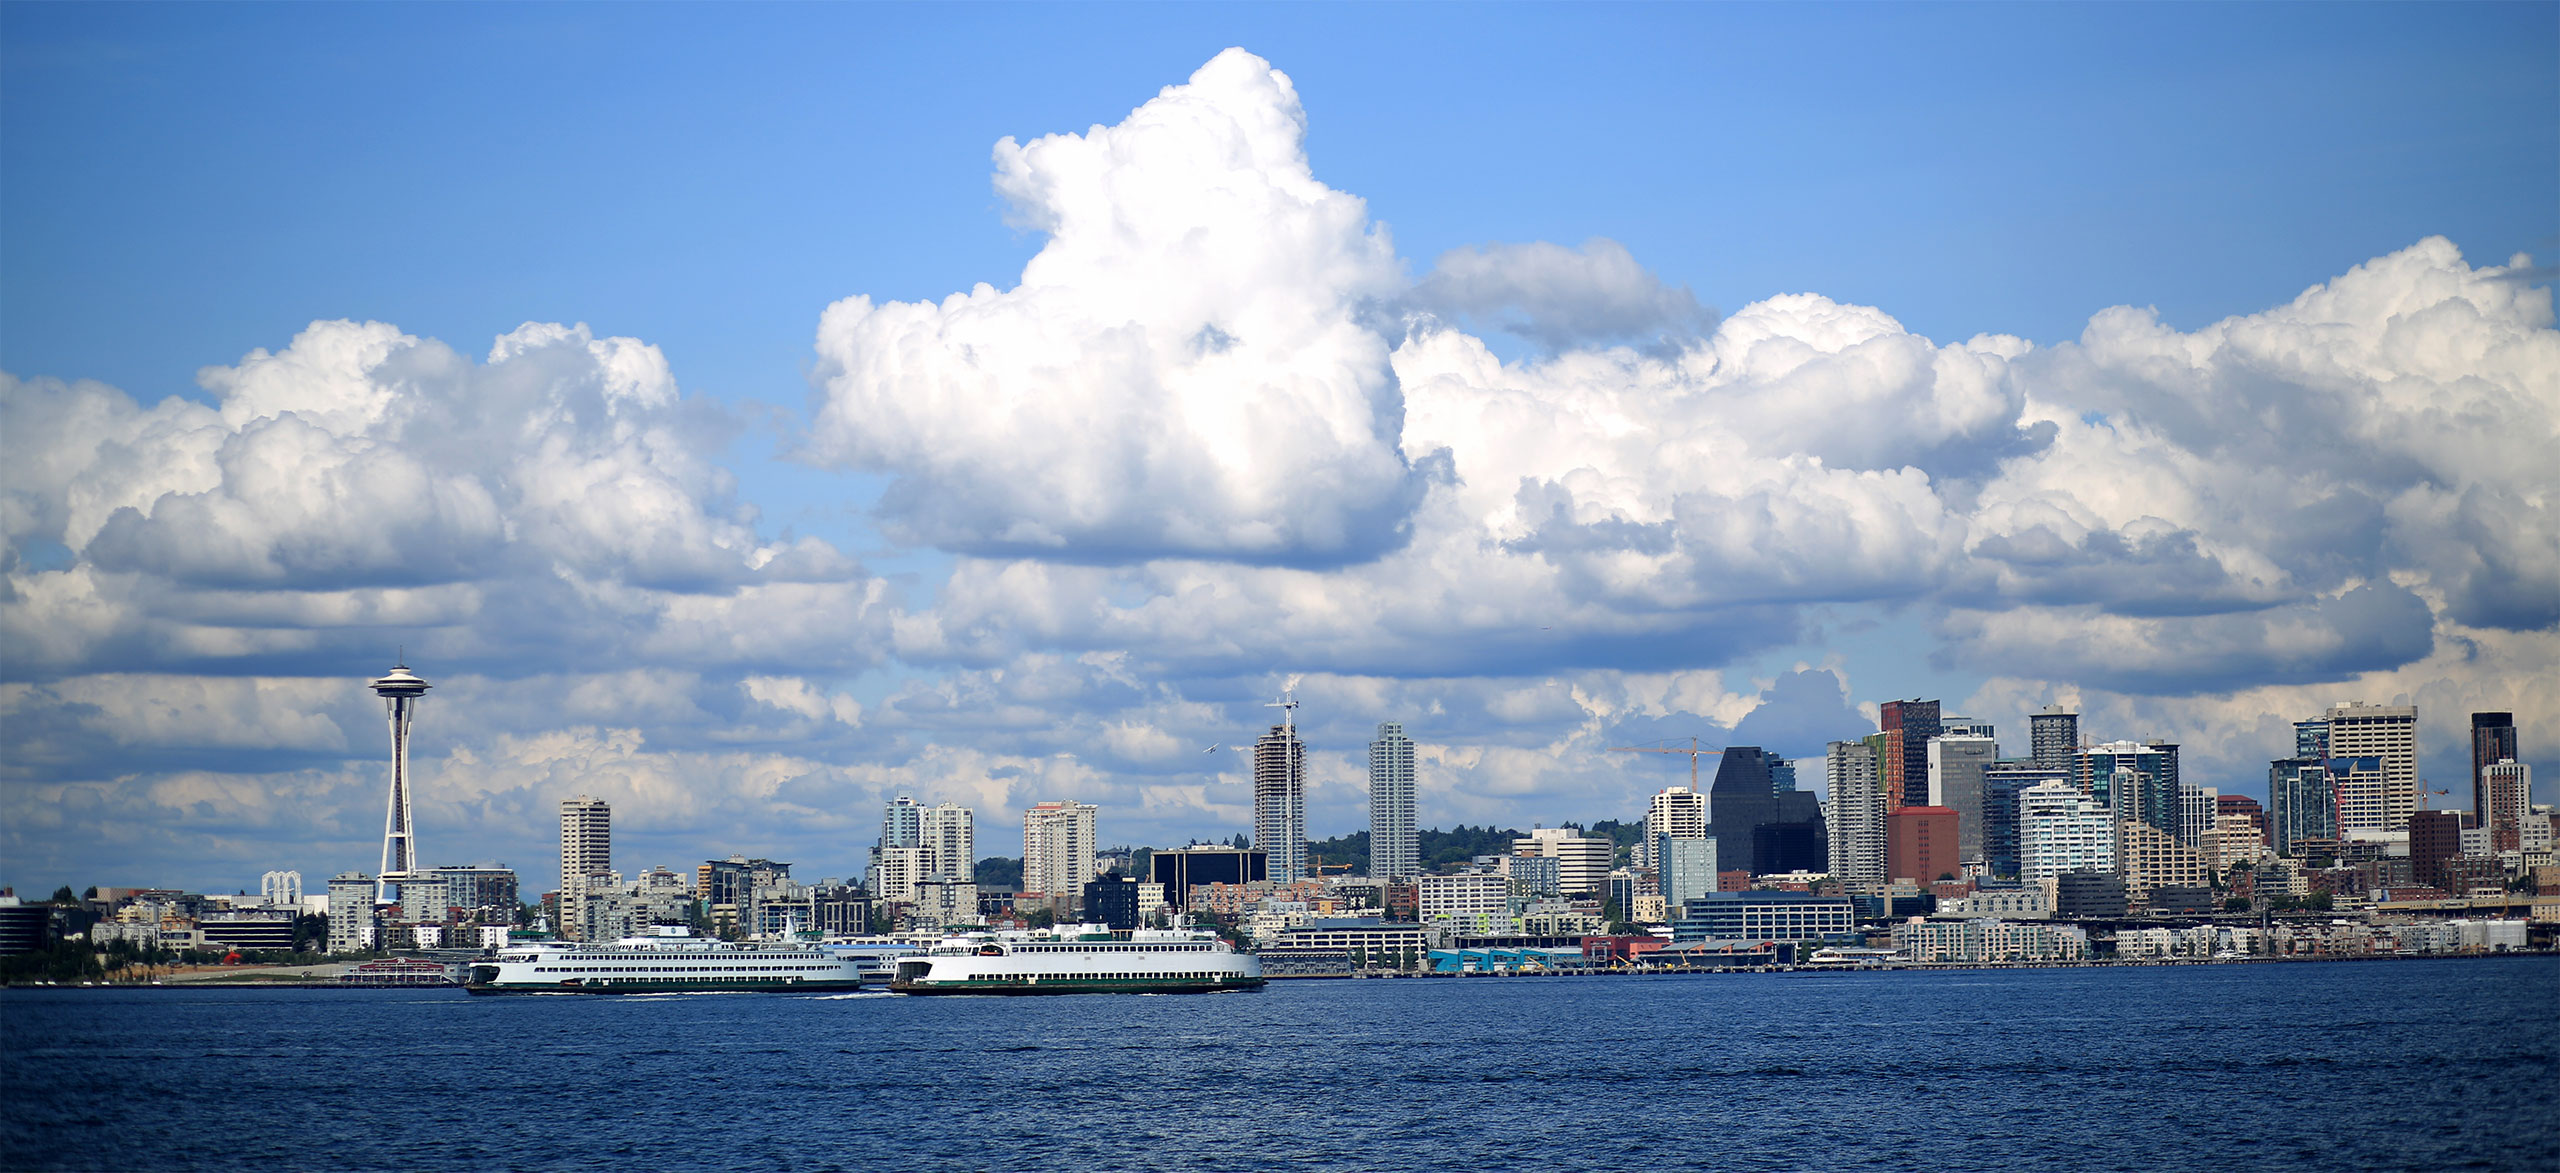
(1956, 764)
(2381, 806)
(2493, 740)
(1582, 861)
(1904, 764)
(1764, 916)
(1922, 844)
(1182, 869)
(2053, 737)
(2302, 802)
(2506, 797)
(2002, 783)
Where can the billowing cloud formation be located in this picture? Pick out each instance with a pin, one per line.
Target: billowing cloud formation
(1215, 439)
(364, 487)
(1183, 370)
(1559, 296)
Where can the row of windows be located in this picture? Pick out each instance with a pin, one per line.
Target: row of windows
(707, 969)
(1082, 948)
(1024, 979)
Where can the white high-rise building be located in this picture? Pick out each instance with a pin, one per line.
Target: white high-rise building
(1853, 807)
(1678, 812)
(2379, 808)
(1280, 798)
(902, 824)
(1395, 845)
(950, 832)
(352, 916)
(586, 849)
(2198, 807)
(895, 872)
(1057, 849)
(2063, 830)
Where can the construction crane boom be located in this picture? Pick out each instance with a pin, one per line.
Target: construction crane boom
(1693, 751)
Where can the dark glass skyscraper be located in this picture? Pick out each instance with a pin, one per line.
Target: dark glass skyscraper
(2055, 733)
(2493, 740)
(1907, 726)
(1756, 828)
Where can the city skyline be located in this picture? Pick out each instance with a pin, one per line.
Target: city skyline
(1532, 465)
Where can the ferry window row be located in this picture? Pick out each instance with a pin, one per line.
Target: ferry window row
(681, 968)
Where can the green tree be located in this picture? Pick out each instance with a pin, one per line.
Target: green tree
(2319, 902)
(2236, 904)
(62, 895)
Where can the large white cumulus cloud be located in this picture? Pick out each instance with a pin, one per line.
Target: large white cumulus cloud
(1185, 368)
(363, 485)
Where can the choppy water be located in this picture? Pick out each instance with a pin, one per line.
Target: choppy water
(2405, 1065)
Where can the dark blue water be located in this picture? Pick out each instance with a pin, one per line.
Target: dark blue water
(2404, 1065)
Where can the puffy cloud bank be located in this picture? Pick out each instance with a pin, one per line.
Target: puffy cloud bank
(1214, 436)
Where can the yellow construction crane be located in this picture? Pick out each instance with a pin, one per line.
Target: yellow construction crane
(1693, 751)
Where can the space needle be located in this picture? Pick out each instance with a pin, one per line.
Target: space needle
(400, 690)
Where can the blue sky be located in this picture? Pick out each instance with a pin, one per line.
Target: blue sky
(184, 185)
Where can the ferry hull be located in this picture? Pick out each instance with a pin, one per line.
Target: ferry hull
(681, 986)
(1065, 986)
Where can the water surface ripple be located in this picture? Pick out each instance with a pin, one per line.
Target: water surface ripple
(2402, 1065)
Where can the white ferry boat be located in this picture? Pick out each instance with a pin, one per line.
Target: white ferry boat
(672, 961)
(1079, 959)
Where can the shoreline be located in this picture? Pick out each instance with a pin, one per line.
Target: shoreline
(1666, 971)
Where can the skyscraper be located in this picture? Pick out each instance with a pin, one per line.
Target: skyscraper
(2302, 803)
(2061, 829)
(1280, 798)
(2135, 782)
(2506, 801)
(2493, 740)
(1758, 829)
(2197, 806)
(586, 849)
(2002, 782)
(1676, 813)
(2387, 732)
(1907, 727)
(2054, 736)
(400, 690)
(1395, 846)
(1057, 849)
(1854, 812)
(950, 832)
(902, 824)
(1956, 764)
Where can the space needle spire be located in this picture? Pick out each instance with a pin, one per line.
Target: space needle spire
(400, 690)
